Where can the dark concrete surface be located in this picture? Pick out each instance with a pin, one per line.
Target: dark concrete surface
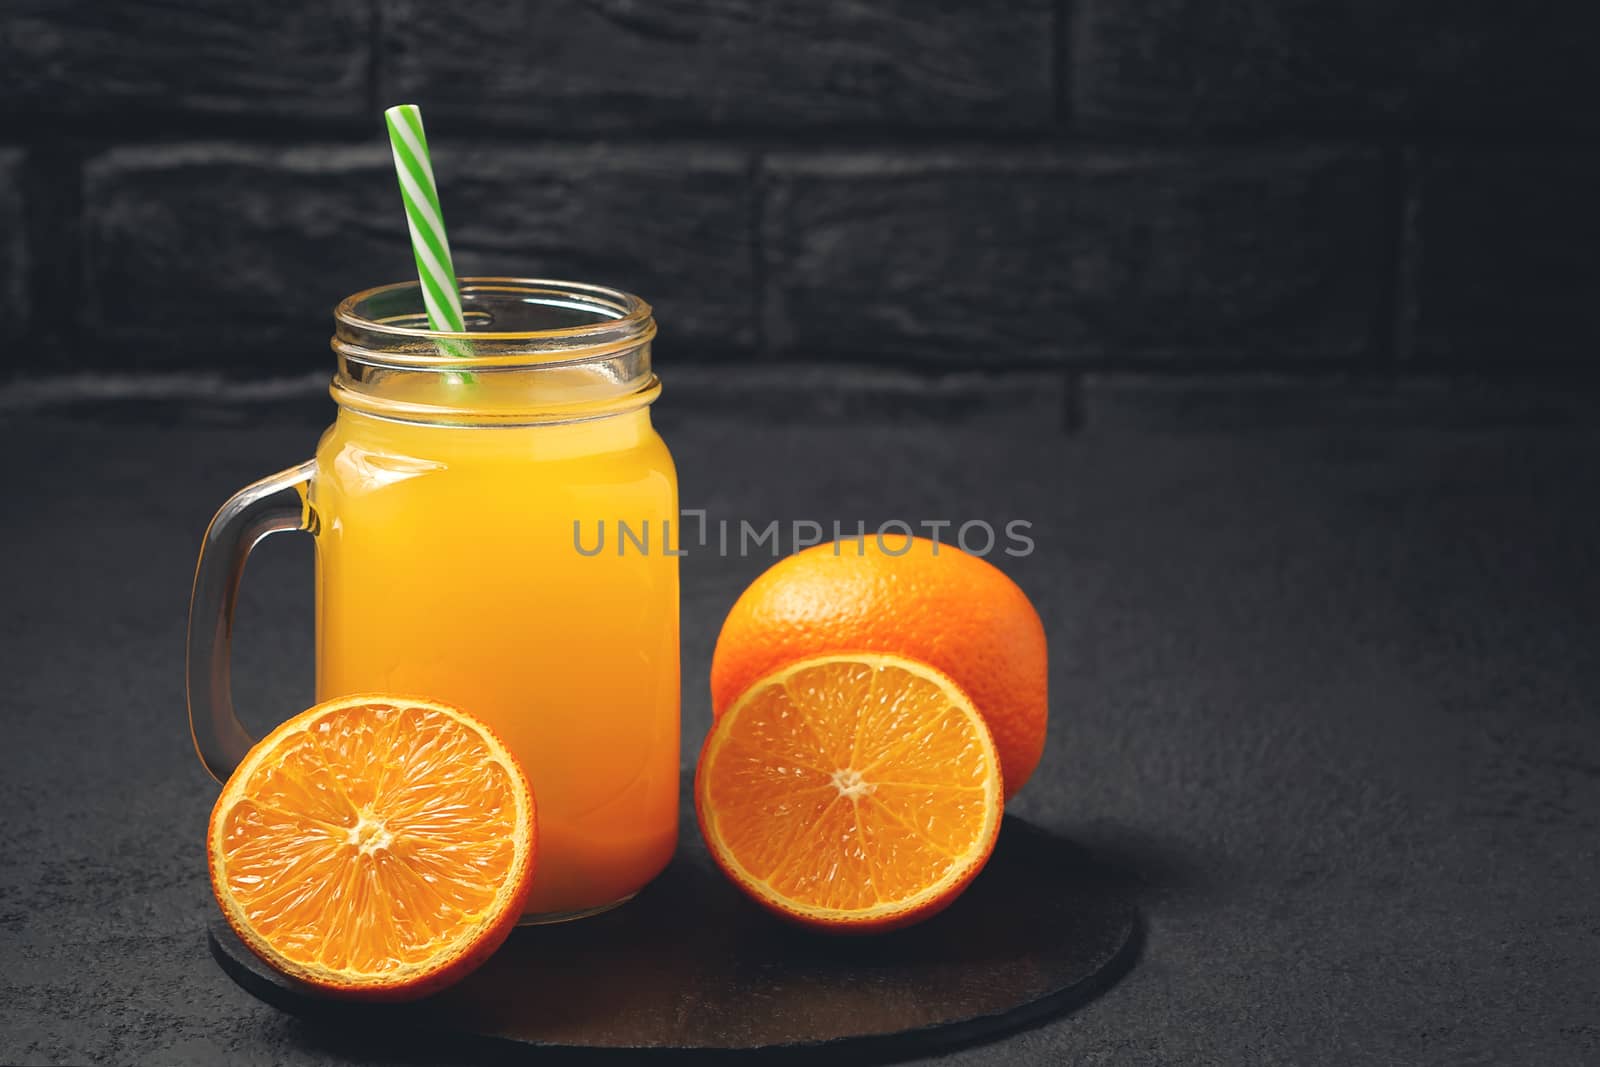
(1324, 685)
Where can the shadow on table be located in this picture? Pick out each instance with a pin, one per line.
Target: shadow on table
(692, 970)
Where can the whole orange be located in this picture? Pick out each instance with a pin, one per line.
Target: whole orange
(911, 597)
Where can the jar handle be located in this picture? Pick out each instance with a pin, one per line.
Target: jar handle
(274, 504)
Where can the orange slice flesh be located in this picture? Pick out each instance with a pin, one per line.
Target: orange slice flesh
(373, 846)
(852, 792)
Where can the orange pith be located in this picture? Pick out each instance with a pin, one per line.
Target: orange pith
(854, 792)
(374, 846)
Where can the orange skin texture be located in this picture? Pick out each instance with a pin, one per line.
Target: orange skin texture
(443, 972)
(951, 610)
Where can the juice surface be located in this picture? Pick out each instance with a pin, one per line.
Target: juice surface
(447, 568)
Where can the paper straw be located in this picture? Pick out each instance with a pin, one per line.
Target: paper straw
(429, 245)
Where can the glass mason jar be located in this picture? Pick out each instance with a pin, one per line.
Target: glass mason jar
(468, 506)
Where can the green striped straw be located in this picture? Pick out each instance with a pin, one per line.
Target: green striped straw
(429, 244)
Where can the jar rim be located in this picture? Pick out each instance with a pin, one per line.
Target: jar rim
(558, 366)
(631, 312)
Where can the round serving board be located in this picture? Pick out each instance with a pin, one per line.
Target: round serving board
(691, 965)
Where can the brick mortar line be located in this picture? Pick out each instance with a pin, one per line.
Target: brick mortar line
(117, 131)
(373, 75)
(758, 255)
(53, 204)
(1408, 259)
(1062, 61)
(980, 157)
(30, 394)
(1390, 296)
(819, 378)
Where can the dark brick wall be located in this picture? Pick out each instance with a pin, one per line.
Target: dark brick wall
(1156, 185)
(1101, 256)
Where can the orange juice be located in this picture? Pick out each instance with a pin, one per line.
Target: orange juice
(448, 567)
(494, 517)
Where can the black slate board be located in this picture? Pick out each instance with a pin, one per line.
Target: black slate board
(691, 966)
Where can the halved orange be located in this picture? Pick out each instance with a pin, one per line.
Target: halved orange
(854, 792)
(376, 847)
